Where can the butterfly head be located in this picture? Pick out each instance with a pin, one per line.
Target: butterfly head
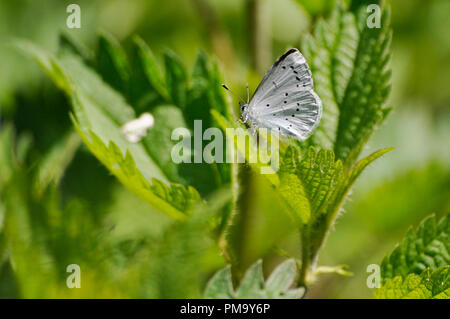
(244, 111)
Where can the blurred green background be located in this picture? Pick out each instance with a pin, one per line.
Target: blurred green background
(396, 192)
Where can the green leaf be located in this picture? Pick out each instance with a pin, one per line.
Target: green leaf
(281, 278)
(112, 62)
(84, 80)
(68, 72)
(158, 144)
(427, 248)
(327, 215)
(176, 79)
(359, 167)
(69, 43)
(7, 157)
(330, 54)
(99, 113)
(56, 161)
(146, 87)
(252, 285)
(308, 183)
(220, 286)
(135, 170)
(310, 186)
(362, 107)
(205, 92)
(47, 62)
(349, 64)
(429, 285)
(174, 200)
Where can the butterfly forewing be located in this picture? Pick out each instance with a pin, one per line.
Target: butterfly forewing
(285, 100)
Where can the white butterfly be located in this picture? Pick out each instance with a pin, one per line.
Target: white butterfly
(284, 100)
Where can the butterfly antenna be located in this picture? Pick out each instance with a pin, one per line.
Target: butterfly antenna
(226, 88)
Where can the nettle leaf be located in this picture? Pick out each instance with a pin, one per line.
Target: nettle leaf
(349, 64)
(205, 91)
(426, 248)
(204, 95)
(83, 79)
(362, 106)
(176, 79)
(174, 200)
(429, 285)
(69, 43)
(55, 162)
(308, 183)
(47, 62)
(8, 160)
(99, 113)
(328, 212)
(330, 53)
(311, 185)
(146, 87)
(130, 164)
(252, 285)
(158, 143)
(112, 62)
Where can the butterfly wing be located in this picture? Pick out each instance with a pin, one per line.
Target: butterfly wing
(285, 100)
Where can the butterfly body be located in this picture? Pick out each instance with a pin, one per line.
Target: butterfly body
(284, 100)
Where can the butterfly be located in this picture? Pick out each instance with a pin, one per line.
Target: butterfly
(285, 100)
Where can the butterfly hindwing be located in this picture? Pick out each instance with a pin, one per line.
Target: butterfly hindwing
(296, 115)
(285, 100)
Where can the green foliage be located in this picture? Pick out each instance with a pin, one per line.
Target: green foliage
(312, 186)
(146, 86)
(425, 249)
(315, 178)
(349, 63)
(142, 226)
(106, 90)
(33, 226)
(43, 236)
(429, 285)
(99, 111)
(174, 200)
(252, 286)
(419, 267)
(312, 182)
(56, 161)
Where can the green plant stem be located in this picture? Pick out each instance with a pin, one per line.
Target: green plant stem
(224, 245)
(260, 40)
(233, 237)
(305, 244)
